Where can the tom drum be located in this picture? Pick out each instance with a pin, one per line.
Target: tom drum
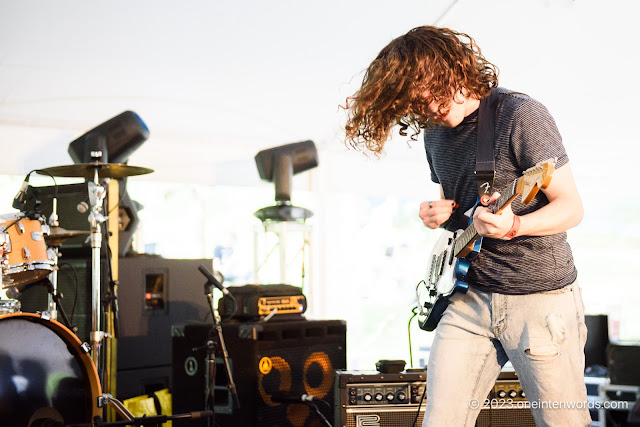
(26, 259)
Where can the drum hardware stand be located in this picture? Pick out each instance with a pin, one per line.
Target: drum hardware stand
(7, 305)
(211, 360)
(53, 296)
(97, 194)
(107, 399)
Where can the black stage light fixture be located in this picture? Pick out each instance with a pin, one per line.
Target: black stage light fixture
(112, 141)
(278, 165)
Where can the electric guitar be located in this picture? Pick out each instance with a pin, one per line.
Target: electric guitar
(453, 253)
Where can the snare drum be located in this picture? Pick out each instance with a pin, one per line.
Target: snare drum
(44, 370)
(26, 256)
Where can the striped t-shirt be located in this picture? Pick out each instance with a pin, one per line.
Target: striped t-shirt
(525, 134)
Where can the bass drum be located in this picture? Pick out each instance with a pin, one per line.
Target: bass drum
(44, 373)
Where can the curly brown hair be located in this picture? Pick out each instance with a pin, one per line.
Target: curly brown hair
(434, 61)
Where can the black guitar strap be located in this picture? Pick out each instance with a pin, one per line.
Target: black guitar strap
(485, 161)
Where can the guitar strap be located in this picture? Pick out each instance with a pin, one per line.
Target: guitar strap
(485, 161)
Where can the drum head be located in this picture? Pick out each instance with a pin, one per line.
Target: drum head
(43, 370)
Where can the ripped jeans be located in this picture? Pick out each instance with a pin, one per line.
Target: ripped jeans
(542, 334)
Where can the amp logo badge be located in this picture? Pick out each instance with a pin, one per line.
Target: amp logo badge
(368, 420)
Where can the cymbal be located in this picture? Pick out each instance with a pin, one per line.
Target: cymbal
(57, 235)
(105, 170)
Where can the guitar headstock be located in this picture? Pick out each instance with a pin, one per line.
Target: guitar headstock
(535, 178)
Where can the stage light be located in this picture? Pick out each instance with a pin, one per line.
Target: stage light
(278, 165)
(112, 141)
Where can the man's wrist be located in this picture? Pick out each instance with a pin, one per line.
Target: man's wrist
(515, 227)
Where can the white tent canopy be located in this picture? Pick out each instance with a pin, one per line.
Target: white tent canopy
(218, 81)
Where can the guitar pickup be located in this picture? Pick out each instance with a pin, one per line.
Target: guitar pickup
(441, 263)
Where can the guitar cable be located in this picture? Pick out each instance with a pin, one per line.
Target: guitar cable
(424, 393)
(414, 310)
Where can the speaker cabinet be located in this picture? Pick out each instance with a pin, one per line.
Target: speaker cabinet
(622, 358)
(74, 283)
(153, 295)
(507, 389)
(505, 417)
(291, 357)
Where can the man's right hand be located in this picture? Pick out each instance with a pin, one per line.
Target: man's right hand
(435, 212)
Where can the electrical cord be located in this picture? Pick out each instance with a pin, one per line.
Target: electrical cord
(75, 291)
(424, 393)
(414, 310)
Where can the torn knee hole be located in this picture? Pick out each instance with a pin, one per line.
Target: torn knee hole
(539, 354)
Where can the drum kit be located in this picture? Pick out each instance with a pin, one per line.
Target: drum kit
(46, 372)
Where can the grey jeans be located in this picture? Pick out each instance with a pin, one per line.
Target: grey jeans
(542, 334)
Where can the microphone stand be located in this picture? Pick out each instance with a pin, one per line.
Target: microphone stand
(56, 297)
(208, 290)
(324, 419)
(148, 421)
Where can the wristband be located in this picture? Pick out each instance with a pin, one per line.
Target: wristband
(514, 228)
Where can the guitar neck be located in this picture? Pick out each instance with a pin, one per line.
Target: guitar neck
(470, 234)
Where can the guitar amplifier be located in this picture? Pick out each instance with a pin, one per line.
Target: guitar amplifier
(622, 359)
(506, 389)
(366, 398)
(252, 302)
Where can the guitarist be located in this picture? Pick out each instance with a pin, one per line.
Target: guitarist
(523, 302)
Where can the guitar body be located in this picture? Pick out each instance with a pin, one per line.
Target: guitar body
(446, 275)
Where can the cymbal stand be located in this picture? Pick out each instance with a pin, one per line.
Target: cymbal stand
(97, 195)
